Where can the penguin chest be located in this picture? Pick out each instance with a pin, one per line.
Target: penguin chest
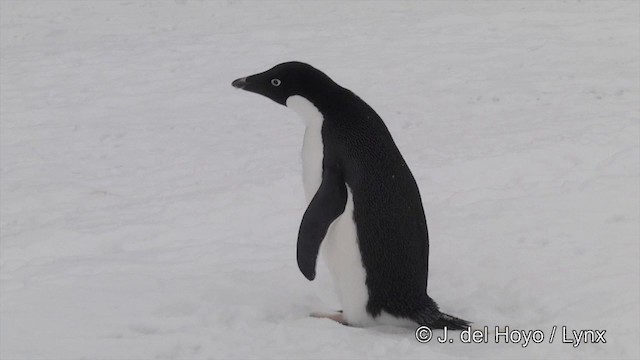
(312, 156)
(312, 145)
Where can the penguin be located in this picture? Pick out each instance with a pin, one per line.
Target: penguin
(365, 214)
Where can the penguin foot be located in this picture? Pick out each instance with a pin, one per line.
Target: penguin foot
(337, 317)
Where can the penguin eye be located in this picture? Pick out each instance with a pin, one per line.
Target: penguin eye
(276, 82)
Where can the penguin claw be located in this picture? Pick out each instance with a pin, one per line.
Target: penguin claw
(337, 317)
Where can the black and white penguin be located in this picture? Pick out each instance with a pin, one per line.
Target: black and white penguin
(365, 213)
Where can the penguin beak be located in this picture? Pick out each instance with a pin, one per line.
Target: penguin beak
(239, 83)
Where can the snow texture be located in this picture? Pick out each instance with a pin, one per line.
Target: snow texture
(150, 210)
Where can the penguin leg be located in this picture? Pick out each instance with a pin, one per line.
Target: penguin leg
(337, 317)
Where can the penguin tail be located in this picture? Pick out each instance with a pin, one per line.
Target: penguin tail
(450, 322)
(431, 316)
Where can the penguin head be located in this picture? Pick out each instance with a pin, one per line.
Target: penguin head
(285, 80)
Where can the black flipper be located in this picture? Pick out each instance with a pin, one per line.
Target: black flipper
(327, 204)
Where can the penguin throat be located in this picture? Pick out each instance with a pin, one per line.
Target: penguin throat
(306, 110)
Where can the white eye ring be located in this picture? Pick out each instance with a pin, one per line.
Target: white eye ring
(276, 82)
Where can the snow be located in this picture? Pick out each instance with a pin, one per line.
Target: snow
(150, 211)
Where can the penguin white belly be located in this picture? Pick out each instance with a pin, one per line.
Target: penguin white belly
(341, 253)
(312, 147)
(340, 248)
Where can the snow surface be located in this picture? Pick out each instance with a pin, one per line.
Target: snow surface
(150, 210)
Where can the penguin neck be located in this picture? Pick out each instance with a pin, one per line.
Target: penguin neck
(307, 111)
